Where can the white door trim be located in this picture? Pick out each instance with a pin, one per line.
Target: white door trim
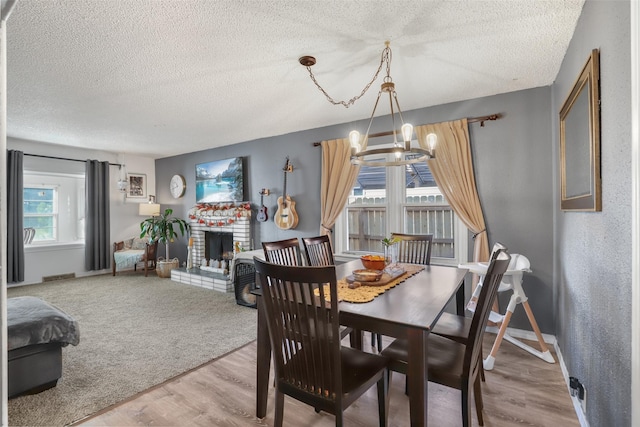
(635, 213)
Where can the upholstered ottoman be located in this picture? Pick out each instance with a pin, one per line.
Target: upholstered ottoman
(36, 332)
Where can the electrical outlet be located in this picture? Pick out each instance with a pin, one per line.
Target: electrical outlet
(579, 392)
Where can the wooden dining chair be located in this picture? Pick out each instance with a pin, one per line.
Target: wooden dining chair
(412, 249)
(454, 326)
(283, 252)
(319, 253)
(314, 368)
(454, 364)
(318, 250)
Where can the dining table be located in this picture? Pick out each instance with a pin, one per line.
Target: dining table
(408, 310)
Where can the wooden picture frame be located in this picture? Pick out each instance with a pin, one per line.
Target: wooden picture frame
(580, 180)
(137, 185)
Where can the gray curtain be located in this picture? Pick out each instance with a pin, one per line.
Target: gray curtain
(97, 239)
(15, 231)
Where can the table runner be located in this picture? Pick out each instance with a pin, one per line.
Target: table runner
(366, 293)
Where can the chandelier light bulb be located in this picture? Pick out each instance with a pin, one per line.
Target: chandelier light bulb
(407, 132)
(432, 140)
(354, 140)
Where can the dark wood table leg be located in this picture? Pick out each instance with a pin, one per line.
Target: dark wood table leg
(355, 339)
(460, 306)
(263, 362)
(417, 376)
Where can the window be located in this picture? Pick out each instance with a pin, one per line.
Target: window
(41, 212)
(53, 204)
(405, 198)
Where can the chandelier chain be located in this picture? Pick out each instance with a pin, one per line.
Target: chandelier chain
(384, 57)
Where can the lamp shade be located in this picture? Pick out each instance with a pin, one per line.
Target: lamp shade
(149, 209)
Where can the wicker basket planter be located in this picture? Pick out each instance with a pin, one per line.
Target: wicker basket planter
(164, 267)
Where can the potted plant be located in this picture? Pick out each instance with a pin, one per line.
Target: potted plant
(161, 228)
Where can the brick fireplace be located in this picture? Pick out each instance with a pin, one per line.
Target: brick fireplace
(209, 223)
(240, 231)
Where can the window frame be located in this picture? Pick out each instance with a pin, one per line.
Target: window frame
(396, 206)
(69, 231)
(54, 213)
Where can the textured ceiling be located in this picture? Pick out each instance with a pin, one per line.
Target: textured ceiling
(165, 77)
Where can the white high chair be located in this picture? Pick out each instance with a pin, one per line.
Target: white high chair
(511, 280)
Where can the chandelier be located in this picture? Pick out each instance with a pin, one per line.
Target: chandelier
(402, 153)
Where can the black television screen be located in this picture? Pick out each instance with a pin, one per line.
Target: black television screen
(220, 181)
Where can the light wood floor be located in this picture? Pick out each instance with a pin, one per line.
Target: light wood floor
(520, 390)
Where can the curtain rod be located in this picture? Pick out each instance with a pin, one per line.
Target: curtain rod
(64, 158)
(481, 119)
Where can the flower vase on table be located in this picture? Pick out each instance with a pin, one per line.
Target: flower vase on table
(391, 257)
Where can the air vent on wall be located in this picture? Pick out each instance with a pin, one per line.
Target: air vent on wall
(59, 277)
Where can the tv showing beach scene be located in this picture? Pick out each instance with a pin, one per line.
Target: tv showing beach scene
(220, 181)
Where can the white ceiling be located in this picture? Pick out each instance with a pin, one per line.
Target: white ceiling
(165, 77)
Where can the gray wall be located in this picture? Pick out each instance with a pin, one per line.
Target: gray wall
(593, 250)
(512, 156)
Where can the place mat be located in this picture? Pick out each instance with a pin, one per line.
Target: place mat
(368, 293)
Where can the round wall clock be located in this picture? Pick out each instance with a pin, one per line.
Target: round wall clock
(177, 186)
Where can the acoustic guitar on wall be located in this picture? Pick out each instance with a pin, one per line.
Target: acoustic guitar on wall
(286, 216)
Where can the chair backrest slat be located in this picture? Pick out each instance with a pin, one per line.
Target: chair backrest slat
(414, 248)
(318, 250)
(303, 327)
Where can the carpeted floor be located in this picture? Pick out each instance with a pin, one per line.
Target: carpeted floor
(135, 332)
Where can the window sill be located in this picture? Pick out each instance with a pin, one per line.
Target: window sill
(49, 247)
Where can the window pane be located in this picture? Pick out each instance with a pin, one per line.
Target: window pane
(427, 211)
(44, 225)
(38, 200)
(366, 210)
(35, 207)
(39, 211)
(367, 227)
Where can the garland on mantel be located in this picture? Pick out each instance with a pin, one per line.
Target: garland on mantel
(219, 213)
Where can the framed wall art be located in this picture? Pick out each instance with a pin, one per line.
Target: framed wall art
(137, 183)
(220, 181)
(580, 179)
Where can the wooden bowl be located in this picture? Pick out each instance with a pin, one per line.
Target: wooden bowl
(373, 262)
(366, 275)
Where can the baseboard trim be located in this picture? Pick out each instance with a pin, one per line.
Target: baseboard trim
(577, 406)
(551, 340)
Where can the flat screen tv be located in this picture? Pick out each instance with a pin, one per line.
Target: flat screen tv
(220, 181)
